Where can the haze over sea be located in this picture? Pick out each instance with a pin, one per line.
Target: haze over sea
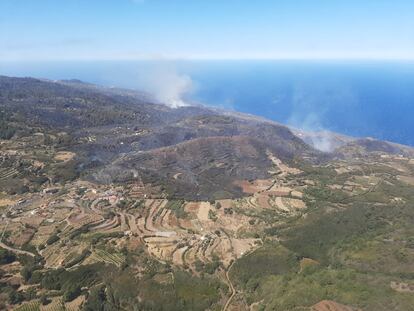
(372, 98)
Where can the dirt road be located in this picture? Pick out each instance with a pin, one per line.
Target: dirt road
(15, 250)
(233, 291)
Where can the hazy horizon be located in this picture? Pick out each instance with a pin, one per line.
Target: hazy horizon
(180, 29)
(347, 97)
(301, 63)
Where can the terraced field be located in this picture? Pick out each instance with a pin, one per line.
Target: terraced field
(244, 253)
(6, 173)
(100, 255)
(31, 306)
(56, 304)
(109, 201)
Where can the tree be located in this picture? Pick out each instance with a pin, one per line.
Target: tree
(15, 297)
(44, 300)
(212, 215)
(96, 299)
(26, 273)
(6, 257)
(52, 239)
(71, 292)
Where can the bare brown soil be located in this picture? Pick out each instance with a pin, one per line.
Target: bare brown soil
(328, 305)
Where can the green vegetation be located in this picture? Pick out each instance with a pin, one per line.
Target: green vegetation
(209, 267)
(323, 194)
(65, 171)
(177, 206)
(7, 128)
(114, 258)
(361, 248)
(310, 238)
(270, 259)
(271, 273)
(6, 256)
(186, 293)
(7, 131)
(53, 238)
(95, 238)
(290, 291)
(68, 281)
(77, 259)
(44, 300)
(71, 292)
(352, 243)
(212, 215)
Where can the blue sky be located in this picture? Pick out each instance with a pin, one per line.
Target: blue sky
(205, 29)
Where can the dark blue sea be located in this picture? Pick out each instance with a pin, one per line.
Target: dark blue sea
(357, 98)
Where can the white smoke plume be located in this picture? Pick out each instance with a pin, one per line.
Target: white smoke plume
(168, 86)
(323, 141)
(317, 136)
(311, 103)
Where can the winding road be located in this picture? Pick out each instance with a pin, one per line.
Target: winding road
(233, 290)
(15, 250)
(231, 286)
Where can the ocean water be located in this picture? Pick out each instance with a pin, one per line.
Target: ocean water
(369, 98)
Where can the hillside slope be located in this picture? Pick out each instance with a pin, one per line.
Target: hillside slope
(109, 127)
(110, 201)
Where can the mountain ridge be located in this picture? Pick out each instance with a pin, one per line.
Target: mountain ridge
(109, 201)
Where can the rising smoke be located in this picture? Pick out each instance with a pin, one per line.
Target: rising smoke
(312, 102)
(168, 86)
(317, 135)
